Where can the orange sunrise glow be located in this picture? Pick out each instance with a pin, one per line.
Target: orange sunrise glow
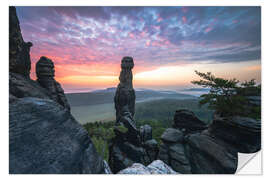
(167, 44)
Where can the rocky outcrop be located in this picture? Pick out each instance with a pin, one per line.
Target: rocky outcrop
(149, 144)
(241, 133)
(187, 121)
(44, 138)
(125, 94)
(125, 149)
(146, 133)
(208, 156)
(156, 167)
(172, 151)
(19, 56)
(172, 135)
(196, 149)
(151, 149)
(45, 77)
(107, 169)
(129, 145)
(20, 86)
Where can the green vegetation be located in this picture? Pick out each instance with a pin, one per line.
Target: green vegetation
(227, 97)
(121, 129)
(101, 133)
(157, 113)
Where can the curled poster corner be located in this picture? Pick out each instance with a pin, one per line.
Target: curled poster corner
(249, 164)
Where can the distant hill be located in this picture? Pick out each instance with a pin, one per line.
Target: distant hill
(107, 96)
(197, 89)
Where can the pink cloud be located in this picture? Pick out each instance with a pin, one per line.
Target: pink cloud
(147, 43)
(208, 29)
(131, 35)
(184, 19)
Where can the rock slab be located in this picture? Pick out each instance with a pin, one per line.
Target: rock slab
(156, 167)
(45, 139)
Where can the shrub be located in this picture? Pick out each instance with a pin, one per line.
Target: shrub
(227, 97)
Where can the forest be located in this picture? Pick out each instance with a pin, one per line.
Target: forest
(157, 113)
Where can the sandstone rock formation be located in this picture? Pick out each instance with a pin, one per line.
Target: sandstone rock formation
(241, 133)
(156, 167)
(194, 148)
(172, 151)
(210, 156)
(149, 144)
(45, 139)
(19, 57)
(45, 77)
(187, 121)
(125, 94)
(130, 146)
(43, 135)
(20, 86)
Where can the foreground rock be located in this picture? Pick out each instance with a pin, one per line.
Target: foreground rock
(149, 144)
(187, 121)
(193, 148)
(207, 156)
(172, 151)
(44, 138)
(20, 86)
(156, 167)
(126, 148)
(241, 133)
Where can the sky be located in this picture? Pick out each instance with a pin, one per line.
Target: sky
(167, 44)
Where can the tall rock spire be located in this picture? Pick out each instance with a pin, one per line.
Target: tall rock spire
(19, 51)
(129, 145)
(45, 77)
(125, 94)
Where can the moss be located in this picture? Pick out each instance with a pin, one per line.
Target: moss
(121, 128)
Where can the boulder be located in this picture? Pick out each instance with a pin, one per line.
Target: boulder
(136, 168)
(151, 148)
(207, 156)
(107, 169)
(172, 151)
(156, 167)
(145, 133)
(241, 133)
(186, 120)
(44, 138)
(172, 135)
(124, 154)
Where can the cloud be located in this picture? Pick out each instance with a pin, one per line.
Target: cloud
(154, 36)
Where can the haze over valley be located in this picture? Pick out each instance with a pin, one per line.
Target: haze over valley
(98, 105)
